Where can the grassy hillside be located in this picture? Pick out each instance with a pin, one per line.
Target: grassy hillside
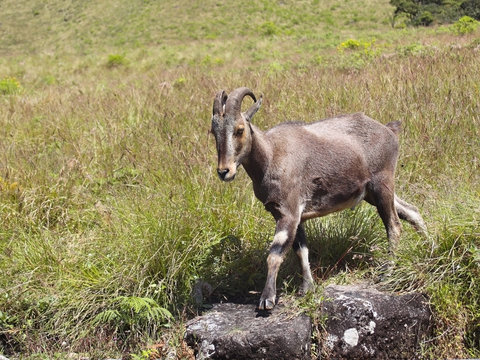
(110, 207)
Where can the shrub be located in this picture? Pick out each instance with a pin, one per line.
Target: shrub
(116, 60)
(464, 25)
(360, 53)
(425, 18)
(408, 7)
(425, 12)
(269, 29)
(180, 82)
(471, 8)
(350, 44)
(413, 49)
(9, 85)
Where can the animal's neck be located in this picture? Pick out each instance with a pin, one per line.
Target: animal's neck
(257, 161)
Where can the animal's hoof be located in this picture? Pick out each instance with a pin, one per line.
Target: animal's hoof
(266, 304)
(305, 288)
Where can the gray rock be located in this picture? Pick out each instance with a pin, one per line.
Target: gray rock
(363, 323)
(3, 357)
(232, 331)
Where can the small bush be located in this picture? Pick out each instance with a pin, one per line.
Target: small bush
(412, 49)
(425, 12)
(180, 83)
(209, 61)
(9, 85)
(351, 44)
(471, 8)
(359, 53)
(116, 60)
(269, 29)
(464, 25)
(425, 18)
(6, 186)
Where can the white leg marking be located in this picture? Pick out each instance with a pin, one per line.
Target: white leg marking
(302, 253)
(280, 238)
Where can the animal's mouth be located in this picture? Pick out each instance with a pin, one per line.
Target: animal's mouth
(227, 173)
(228, 177)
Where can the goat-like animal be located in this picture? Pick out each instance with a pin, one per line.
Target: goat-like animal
(301, 171)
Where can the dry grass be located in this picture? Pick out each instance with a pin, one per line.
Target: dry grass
(108, 189)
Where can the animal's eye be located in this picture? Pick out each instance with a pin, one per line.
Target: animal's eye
(239, 131)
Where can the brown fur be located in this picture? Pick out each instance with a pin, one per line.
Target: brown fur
(301, 171)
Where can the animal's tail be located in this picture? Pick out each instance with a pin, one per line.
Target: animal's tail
(395, 126)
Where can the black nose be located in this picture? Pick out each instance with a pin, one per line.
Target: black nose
(222, 173)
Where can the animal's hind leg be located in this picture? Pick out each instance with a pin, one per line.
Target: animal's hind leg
(300, 247)
(410, 213)
(381, 194)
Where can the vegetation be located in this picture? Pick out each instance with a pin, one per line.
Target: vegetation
(116, 60)
(465, 25)
(110, 207)
(9, 85)
(425, 12)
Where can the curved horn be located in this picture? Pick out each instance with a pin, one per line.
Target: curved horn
(219, 102)
(253, 109)
(234, 101)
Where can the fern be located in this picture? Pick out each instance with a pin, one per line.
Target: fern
(107, 317)
(133, 312)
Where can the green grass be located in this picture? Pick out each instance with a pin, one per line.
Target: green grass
(109, 203)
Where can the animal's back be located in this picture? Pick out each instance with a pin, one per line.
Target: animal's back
(348, 143)
(378, 142)
(358, 126)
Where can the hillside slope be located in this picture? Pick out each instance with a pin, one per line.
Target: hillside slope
(110, 207)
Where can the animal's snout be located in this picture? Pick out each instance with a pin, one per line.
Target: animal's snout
(222, 173)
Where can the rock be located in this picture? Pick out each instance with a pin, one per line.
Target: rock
(3, 357)
(233, 331)
(363, 323)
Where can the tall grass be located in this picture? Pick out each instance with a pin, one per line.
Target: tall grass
(110, 208)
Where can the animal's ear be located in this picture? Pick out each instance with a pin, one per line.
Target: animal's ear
(253, 109)
(219, 102)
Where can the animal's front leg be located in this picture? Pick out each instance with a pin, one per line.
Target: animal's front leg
(284, 235)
